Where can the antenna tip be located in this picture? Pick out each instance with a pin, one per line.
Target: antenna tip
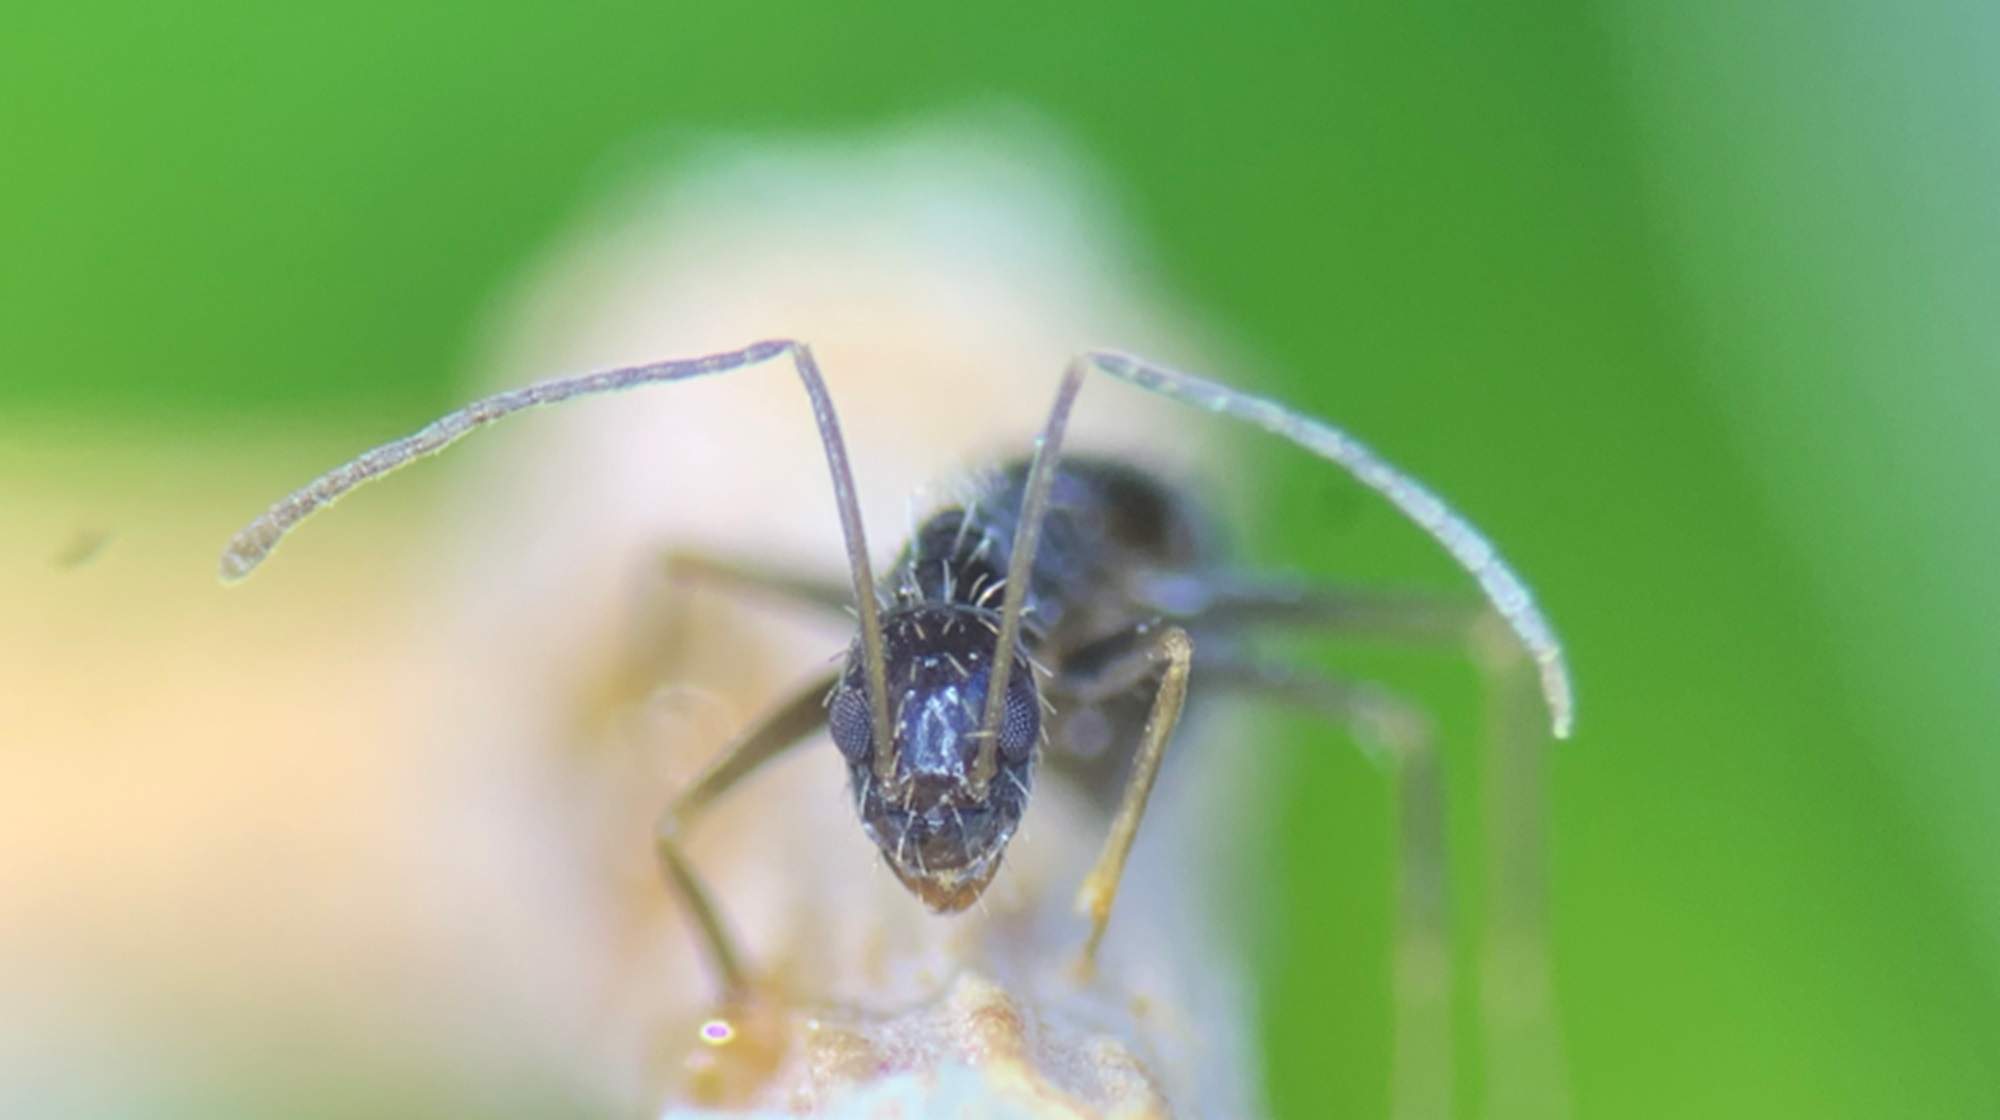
(235, 565)
(1562, 706)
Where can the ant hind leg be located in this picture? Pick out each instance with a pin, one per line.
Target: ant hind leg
(683, 567)
(1526, 1069)
(1398, 737)
(670, 634)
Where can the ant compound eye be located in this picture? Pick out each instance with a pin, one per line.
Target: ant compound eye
(851, 724)
(1021, 723)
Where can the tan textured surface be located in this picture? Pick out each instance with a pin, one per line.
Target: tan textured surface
(976, 1042)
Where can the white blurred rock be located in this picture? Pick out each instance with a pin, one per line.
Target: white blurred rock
(943, 274)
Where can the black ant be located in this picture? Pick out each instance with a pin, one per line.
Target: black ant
(1065, 591)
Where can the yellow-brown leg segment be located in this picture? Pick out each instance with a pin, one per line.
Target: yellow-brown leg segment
(784, 726)
(1172, 651)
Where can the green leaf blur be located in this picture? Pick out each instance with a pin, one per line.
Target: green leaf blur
(1691, 306)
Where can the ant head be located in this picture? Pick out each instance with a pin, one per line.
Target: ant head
(940, 832)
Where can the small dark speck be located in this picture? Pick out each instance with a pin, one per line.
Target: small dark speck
(84, 546)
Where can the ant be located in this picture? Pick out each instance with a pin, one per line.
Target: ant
(1066, 596)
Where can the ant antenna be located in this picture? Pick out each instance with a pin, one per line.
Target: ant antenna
(257, 540)
(1466, 544)
(1027, 534)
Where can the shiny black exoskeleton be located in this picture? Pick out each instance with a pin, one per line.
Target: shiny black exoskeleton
(941, 835)
(1108, 525)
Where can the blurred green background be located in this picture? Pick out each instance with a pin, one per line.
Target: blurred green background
(1692, 306)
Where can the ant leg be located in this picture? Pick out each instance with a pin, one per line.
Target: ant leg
(684, 571)
(1389, 729)
(783, 727)
(1231, 599)
(1398, 737)
(737, 574)
(1423, 1071)
(1169, 653)
(1511, 987)
(1518, 1037)
(1525, 1066)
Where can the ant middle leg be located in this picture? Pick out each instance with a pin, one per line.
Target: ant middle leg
(1232, 599)
(786, 725)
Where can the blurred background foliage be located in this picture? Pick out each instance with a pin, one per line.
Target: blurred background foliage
(1691, 305)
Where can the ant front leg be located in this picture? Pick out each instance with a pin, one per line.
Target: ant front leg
(784, 727)
(1168, 653)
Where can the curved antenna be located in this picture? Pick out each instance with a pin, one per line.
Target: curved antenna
(1020, 562)
(256, 541)
(1466, 544)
